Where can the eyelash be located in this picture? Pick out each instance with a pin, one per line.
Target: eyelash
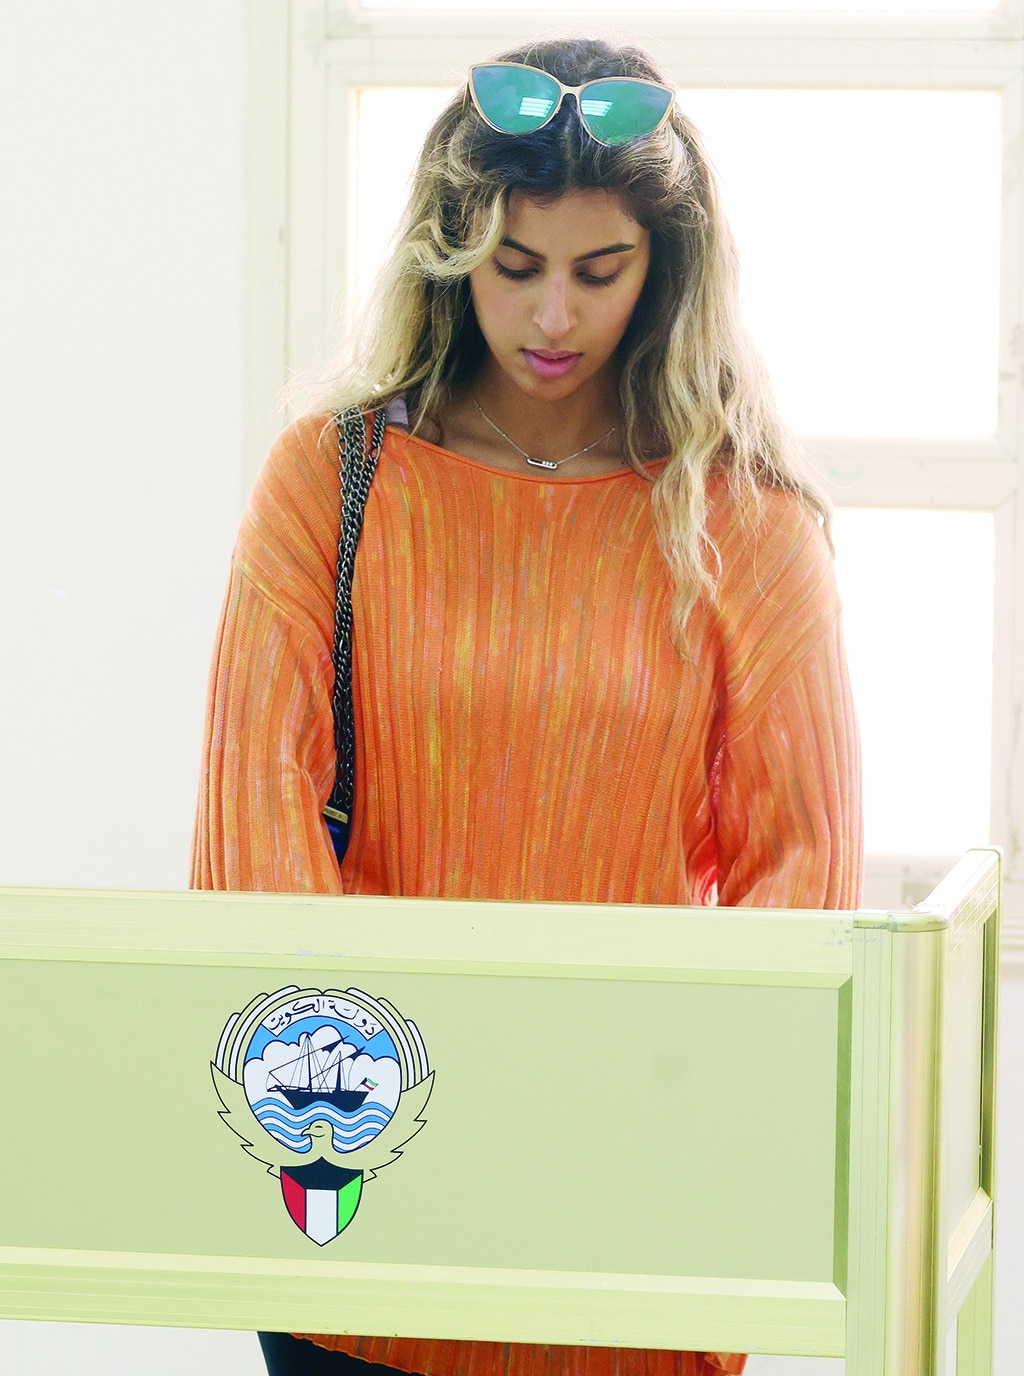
(514, 275)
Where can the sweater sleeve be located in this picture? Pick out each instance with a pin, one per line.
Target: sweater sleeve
(268, 755)
(788, 794)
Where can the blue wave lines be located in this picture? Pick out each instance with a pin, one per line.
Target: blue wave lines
(349, 1130)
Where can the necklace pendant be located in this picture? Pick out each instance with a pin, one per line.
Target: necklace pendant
(542, 463)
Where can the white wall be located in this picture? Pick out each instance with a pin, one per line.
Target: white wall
(121, 455)
(121, 357)
(121, 443)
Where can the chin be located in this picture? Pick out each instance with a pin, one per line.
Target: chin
(551, 389)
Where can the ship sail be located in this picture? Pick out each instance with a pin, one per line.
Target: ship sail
(332, 1071)
(319, 1075)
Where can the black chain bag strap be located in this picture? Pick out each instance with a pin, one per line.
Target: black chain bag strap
(357, 464)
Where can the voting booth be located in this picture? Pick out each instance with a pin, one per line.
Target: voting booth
(725, 1130)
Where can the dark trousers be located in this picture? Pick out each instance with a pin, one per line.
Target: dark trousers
(288, 1356)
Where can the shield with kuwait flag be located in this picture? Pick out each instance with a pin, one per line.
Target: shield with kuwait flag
(321, 1198)
(324, 1087)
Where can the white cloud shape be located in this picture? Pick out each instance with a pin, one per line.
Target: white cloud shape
(383, 1073)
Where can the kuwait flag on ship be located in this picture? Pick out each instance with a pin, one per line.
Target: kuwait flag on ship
(321, 1198)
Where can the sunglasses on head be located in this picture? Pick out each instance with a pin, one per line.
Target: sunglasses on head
(516, 99)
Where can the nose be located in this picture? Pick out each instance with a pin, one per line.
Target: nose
(554, 314)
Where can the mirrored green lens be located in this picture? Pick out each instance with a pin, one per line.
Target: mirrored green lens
(515, 100)
(620, 111)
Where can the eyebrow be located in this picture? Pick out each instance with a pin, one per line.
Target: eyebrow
(583, 258)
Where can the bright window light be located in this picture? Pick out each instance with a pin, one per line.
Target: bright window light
(917, 589)
(712, 7)
(868, 232)
(867, 224)
(395, 119)
(534, 105)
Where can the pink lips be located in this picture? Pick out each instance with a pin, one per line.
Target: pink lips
(550, 363)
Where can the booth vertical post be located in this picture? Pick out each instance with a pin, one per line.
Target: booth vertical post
(923, 1127)
(974, 940)
(974, 1327)
(891, 1319)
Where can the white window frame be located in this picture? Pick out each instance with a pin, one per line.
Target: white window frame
(309, 58)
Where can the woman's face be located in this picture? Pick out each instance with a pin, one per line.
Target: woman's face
(556, 297)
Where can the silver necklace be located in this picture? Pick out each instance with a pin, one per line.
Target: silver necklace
(540, 463)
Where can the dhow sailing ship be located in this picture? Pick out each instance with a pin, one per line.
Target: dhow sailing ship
(320, 1075)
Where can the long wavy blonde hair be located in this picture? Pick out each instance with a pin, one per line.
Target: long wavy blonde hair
(690, 382)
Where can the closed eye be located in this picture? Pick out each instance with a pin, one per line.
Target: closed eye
(589, 279)
(513, 274)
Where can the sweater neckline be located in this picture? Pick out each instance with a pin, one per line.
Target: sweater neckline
(531, 475)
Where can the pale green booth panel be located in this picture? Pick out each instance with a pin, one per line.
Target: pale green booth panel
(718, 1129)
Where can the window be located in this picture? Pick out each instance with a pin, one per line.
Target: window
(864, 156)
(906, 578)
(699, 7)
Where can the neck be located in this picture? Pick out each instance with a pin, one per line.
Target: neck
(550, 429)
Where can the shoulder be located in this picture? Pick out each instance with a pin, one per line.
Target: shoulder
(777, 594)
(772, 550)
(299, 476)
(775, 541)
(287, 542)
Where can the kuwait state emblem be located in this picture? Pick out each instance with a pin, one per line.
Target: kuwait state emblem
(324, 1087)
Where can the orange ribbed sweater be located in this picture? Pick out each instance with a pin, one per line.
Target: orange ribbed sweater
(524, 728)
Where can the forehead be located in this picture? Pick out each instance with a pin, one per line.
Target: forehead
(574, 223)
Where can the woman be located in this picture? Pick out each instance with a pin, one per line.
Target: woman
(597, 645)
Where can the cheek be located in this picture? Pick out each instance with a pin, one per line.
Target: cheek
(493, 309)
(620, 317)
(628, 308)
